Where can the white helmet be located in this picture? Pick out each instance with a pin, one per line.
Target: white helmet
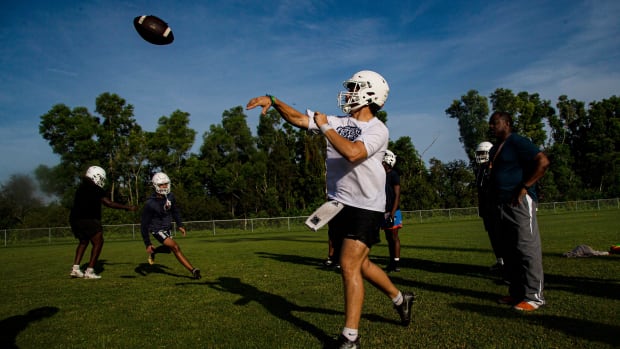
(389, 158)
(161, 178)
(97, 175)
(363, 88)
(482, 152)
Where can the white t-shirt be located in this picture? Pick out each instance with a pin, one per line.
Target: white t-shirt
(360, 184)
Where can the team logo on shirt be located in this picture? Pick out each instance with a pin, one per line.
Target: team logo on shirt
(350, 132)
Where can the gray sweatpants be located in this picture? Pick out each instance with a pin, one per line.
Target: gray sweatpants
(517, 227)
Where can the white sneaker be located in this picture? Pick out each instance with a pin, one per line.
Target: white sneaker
(90, 274)
(76, 273)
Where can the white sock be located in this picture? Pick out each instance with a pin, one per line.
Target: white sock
(76, 267)
(398, 300)
(350, 333)
(90, 270)
(396, 259)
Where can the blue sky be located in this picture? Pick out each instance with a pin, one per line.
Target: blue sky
(225, 52)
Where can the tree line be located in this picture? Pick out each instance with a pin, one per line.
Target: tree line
(280, 171)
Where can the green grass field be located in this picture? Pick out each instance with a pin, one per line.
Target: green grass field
(267, 290)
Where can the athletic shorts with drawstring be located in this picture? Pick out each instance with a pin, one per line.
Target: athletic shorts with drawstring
(355, 224)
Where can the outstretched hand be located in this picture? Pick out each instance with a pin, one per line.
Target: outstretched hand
(263, 101)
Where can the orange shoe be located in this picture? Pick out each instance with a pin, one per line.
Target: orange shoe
(526, 306)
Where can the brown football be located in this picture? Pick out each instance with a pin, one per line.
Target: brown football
(153, 29)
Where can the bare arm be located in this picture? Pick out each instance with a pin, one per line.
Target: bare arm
(352, 151)
(111, 204)
(290, 114)
(396, 199)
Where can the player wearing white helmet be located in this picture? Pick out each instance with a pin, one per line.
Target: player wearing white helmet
(85, 219)
(159, 212)
(364, 88)
(97, 175)
(484, 202)
(482, 152)
(393, 221)
(355, 177)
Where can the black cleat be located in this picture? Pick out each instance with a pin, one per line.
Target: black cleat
(344, 343)
(404, 310)
(392, 267)
(497, 267)
(196, 273)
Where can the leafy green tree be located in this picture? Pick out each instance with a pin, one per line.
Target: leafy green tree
(597, 148)
(438, 180)
(278, 170)
(528, 112)
(463, 192)
(416, 191)
(227, 151)
(311, 183)
(18, 198)
(472, 113)
(82, 140)
(171, 142)
(72, 135)
(113, 136)
(566, 184)
(134, 165)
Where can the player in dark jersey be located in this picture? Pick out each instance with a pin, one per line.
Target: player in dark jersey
(85, 219)
(393, 216)
(159, 212)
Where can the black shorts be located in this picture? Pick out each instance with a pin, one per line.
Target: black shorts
(356, 224)
(84, 229)
(161, 235)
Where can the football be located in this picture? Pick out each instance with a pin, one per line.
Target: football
(153, 29)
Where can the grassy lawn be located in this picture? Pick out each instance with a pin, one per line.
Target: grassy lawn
(268, 290)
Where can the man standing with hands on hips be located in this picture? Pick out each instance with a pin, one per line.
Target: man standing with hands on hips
(356, 144)
(516, 164)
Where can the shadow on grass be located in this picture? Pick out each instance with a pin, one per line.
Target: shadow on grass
(587, 330)
(294, 259)
(603, 288)
(12, 326)
(280, 307)
(242, 238)
(144, 269)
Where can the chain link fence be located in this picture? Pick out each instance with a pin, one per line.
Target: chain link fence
(119, 232)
